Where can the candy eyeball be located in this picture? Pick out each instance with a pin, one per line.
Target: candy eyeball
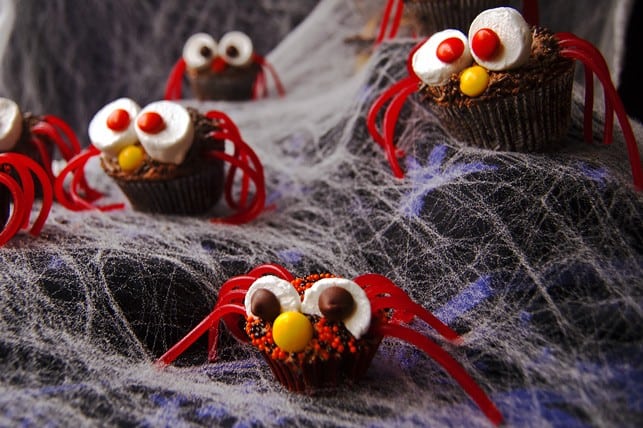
(112, 127)
(165, 130)
(10, 124)
(339, 299)
(269, 296)
(500, 39)
(236, 48)
(443, 54)
(199, 50)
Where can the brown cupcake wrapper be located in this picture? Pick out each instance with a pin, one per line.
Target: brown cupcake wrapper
(320, 374)
(233, 85)
(531, 121)
(431, 16)
(187, 195)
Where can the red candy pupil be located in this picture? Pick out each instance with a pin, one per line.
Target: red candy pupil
(150, 122)
(118, 120)
(485, 43)
(450, 49)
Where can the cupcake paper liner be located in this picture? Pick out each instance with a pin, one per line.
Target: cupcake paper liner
(531, 121)
(191, 194)
(430, 16)
(231, 85)
(312, 376)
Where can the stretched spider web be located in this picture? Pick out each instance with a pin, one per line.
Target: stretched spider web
(536, 259)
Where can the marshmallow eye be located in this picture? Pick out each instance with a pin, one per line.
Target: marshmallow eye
(500, 39)
(199, 50)
(339, 299)
(10, 124)
(270, 296)
(236, 48)
(112, 127)
(165, 130)
(445, 53)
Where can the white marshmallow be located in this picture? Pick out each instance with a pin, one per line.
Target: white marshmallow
(359, 321)
(10, 124)
(172, 143)
(242, 43)
(433, 71)
(283, 290)
(107, 140)
(192, 54)
(514, 33)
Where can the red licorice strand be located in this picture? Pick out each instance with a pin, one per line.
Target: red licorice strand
(242, 282)
(47, 198)
(233, 296)
(259, 86)
(399, 303)
(272, 269)
(173, 88)
(397, 20)
(391, 115)
(590, 55)
(448, 363)
(182, 345)
(530, 12)
(63, 197)
(44, 129)
(245, 183)
(386, 16)
(66, 130)
(376, 107)
(271, 70)
(378, 286)
(227, 123)
(256, 206)
(20, 166)
(78, 181)
(41, 147)
(15, 221)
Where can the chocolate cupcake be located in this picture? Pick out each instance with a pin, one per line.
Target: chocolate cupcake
(221, 71)
(313, 332)
(156, 155)
(505, 87)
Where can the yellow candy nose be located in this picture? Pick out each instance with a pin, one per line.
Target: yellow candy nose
(474, 80)
(130, 158)
(292, 331)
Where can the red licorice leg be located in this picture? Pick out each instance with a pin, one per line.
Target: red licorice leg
(65, 130)
(386, 16)
(530, 12)
(214, 317)
(391, 116)
(271, 269)
(271, 70)
(41, 147)
(175, 81)
(16, 219)
(576, 48)
(259, 89)
(246, 160)
(384, 294)
(72, 200)
(448, 363)
(46, 130)
(47, 193)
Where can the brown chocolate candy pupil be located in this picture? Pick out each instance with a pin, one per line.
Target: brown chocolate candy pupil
(232, 51)
(265, 305)
(336, 303)
(205, 51)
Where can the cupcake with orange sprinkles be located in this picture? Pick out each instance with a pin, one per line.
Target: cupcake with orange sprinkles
(312, 331)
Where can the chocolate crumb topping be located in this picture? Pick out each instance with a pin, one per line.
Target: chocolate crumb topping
(544, 64)
(151, 169)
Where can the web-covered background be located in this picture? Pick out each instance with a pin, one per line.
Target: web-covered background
(536, 259)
